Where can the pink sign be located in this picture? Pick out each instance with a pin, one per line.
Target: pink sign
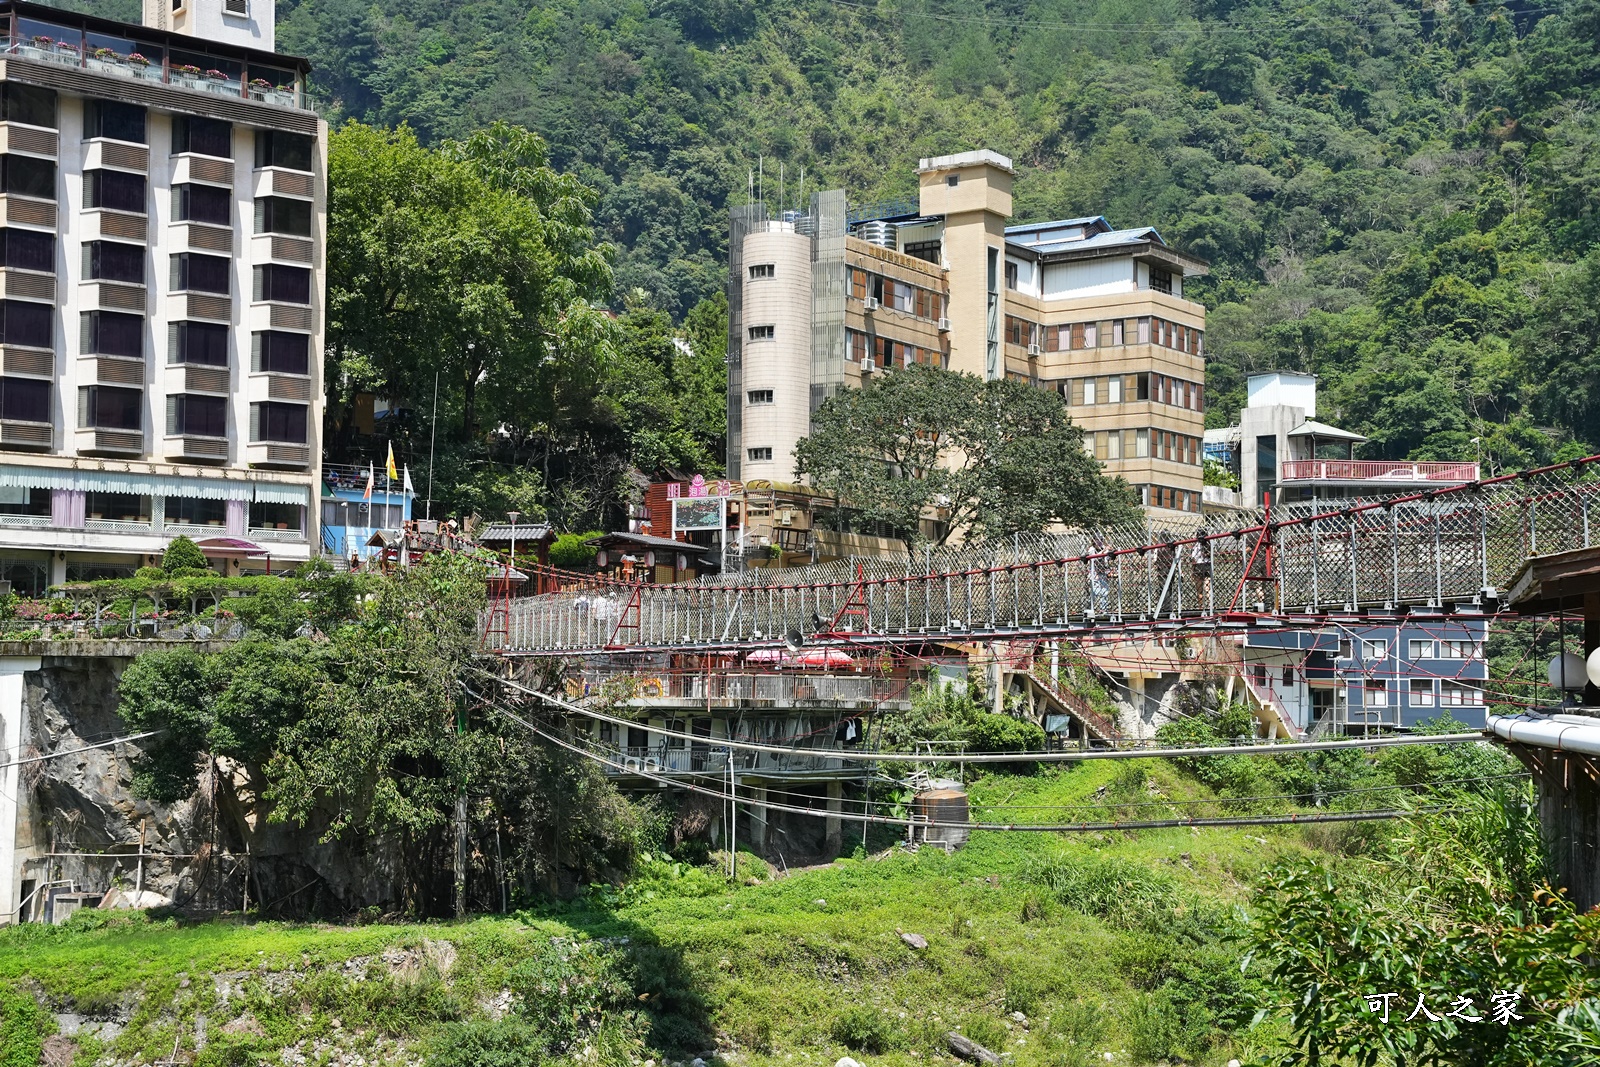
(674, 490)
(698, 486)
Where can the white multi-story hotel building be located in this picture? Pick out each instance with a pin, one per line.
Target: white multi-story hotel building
(162, 233)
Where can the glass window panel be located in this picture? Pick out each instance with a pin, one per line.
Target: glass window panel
(28, 250)
(26, 176)
(28, 104)
(25, 323)
(192, 512)
(25, 400)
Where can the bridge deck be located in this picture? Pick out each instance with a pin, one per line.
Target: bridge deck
(1450, 546)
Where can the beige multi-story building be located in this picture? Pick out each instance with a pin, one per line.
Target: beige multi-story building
(827, 298)
(162, 213)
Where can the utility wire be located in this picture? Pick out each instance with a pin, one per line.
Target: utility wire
(1270, 749)
(75, 751)
(888, 820)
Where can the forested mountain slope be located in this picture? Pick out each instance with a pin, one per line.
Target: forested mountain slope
(1401, 197)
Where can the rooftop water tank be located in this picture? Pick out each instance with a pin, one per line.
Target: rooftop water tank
(880, 233)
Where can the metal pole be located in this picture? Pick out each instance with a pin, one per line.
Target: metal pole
(433, 436)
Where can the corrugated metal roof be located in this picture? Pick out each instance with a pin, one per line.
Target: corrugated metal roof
(1110, 239)
(1059, 224)
(1310, 428)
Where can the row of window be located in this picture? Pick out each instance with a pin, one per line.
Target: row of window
(1416, 648)
(111, 407)
(1375, 694)
(132, 507)
(1143, 444)
(887, 353)
(118, 121)
(898, 295)
(1109, 333)
(118, 190)
(1133, 389)
(1165, 496)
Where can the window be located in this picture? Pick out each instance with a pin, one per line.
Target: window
(203, 137)
(202, 274)
(1288, 677)
(117, 507)
(1374, 650)
(761, 270)
(277, 516)
(26, 176)
(291, 151)
(1416, 649)
(761, 333)
(757, 455)
(28, 104)
(113, 333)
(117, 121)
(24, 400)
(116, 190)
(203, 343)
(278, 214)
(760, 396)
(112, 261)
(953, 181)
(1161, 281)
(28, 250)
(1344, 648)
(202, 203)
(197, 416)
(1011, 275)
(1422, 692)
(20, 500)
(192, 512)
(284, 423)
(275, 352)
(236, 7)
(1454, 694)
(105, 407)
(283, 285)
(1459, 650)
(1376, 695)
(27, 324)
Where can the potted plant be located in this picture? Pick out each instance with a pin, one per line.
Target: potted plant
(104, 59)
(186, 74)
(67, 52)
(140, 65)
(259, 88)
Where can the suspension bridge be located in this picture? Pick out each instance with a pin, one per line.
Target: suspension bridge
(1302, 564)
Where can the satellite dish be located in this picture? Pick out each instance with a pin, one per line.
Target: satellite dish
(1594, 667)
(1567, 671)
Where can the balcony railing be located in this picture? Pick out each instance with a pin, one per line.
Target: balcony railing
(1375, 470)
(72, 53)
(725, 690)
(676, 756)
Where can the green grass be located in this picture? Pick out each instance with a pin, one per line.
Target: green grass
(1107, 942)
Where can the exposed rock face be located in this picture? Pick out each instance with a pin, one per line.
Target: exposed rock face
(79, 821)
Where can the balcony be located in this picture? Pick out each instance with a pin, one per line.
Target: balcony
(66, 49)
(30, 140)
(275, 454)
(196, 449)
(1389, 472)
(108, 442)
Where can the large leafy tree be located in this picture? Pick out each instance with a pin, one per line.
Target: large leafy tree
(978, 458)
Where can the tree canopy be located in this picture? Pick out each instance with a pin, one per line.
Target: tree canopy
(983, 457)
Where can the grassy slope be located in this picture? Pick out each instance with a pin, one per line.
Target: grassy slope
(776, 968)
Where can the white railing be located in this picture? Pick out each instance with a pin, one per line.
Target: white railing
(116, 526)
(183, 529)
(35, 522)
(272, 534)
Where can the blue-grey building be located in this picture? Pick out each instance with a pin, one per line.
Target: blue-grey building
(349, 519)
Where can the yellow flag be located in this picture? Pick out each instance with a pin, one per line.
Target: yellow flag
(389, 467)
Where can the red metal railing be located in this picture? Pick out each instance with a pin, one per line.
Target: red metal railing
(1376, 470)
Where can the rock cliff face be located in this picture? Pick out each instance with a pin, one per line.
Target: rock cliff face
(78, 820)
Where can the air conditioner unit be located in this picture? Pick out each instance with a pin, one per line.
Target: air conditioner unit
(867, 366)
(944, 325)
(872, 303)
(785, 518)
(1034, 350)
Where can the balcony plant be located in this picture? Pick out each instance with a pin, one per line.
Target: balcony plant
(106, 54)
(216, 75)
(138, 60)
(188, 70)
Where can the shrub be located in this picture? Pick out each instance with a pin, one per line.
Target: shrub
(23, 1028)
(1155, 1029)
(570, 553)
(1106, 887)
(183, 554)
(508, 1043)
(867, 1029)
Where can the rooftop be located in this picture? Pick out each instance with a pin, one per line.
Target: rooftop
(966, 159)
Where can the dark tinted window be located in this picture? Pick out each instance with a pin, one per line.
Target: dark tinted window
(197, 416)
(26, 401)
(106, 407)
(277, 214)
(28, 250)
(203, 203)
(114, 262)
(264, 516)
(28, 324)
(286, 285)
(23, 501)
(205, 343)
(292, 151)
(118, 121)
(283, 353)
(206, 137)
(113, 333)
(119, 507)
(116, 190)
(197, 512)
(26, 176)
(203, 274)
(28, 104)
(281, 422)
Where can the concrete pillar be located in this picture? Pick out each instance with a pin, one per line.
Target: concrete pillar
(58, 568)
(11, 731)
(758, 818)
(835, 839)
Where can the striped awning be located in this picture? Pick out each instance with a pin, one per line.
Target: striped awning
(89, 481)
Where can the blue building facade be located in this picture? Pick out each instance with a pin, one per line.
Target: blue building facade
(1350, 677)
(349, 519)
